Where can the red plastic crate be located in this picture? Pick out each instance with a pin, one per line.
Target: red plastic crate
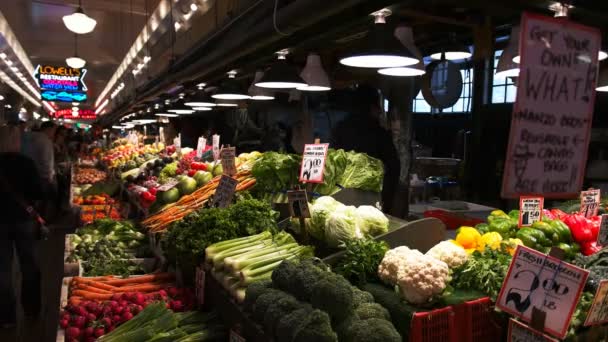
(477, 321)
(434, 326)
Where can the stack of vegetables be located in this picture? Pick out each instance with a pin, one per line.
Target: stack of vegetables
(584, 230)
(104, 247)
(240, 262)
(305, 302)
(335, 223)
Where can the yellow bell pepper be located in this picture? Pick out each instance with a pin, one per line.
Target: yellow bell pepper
(468, 238)
(489, 240)
(511, 245)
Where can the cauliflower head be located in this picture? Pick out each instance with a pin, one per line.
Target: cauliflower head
(423, 278)
(393, 260)
(448, 252)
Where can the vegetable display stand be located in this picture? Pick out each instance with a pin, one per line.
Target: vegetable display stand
(435, 325)
(476, 320)
(232, 313)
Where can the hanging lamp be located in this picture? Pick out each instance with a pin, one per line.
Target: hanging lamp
(180, 108)
(314, 75)
(257, 93)
(381, 49)
(168, 115)
(453, 51)
(230, 89)
(281, 75)
(405, 35)
(201, 99)
(75, 61)
(506, 66)
(602, 82)
(78, 22)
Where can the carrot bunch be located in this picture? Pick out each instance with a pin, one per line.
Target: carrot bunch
(104, 288)
(189, 203)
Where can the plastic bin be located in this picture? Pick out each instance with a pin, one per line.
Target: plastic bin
(434, 326)
(476, 320)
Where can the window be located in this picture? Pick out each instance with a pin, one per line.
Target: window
(463, 105)
(503, 88)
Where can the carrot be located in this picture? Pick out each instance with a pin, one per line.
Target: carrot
(102, 278)
(74, 300)
(92, 295)
(99, 285)
(92, 289)
(144, 288)
(142, 279)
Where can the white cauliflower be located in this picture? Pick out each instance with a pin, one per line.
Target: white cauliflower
(450, 253)
(419, 277)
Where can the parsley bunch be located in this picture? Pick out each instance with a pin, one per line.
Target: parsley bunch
(361, 258)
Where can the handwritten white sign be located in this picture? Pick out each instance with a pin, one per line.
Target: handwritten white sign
(598, 313)
(200, 147)
(313, 163)
(551, 121)
(602, 236)
(519, 332)
(227, 155)
(547, 283)
(298, 203)
(177, 142)
(590, 202)
(530, 210)
(215, 141)
(225, 191)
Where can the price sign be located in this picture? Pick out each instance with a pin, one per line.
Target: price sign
(298, 203)
(519, 332)
(171, 183)
(225, 191)
(530, 210)
(313, 163)
(235, 337)
(200, 285)
(590, 202)
(598, 313)
(200, 147)
(536, 280)
(227, 154)
(551, 121)
(215, 140)
(178, 145)
(602, 236)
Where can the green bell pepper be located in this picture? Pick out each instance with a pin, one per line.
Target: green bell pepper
(535, 237)
(562, 229)
(550, 232)
(502, 226)
(482, 228)
(514, 215)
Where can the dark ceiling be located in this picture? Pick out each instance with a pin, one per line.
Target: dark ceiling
(40, 30)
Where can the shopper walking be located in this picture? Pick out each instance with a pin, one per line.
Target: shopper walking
(20, 192)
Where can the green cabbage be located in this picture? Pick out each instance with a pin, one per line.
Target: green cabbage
(342, 226)
(335, 164)
(319, 212)
(362, 172)
(371, 220)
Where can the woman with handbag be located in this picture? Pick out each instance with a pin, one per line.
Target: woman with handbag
(21, 190)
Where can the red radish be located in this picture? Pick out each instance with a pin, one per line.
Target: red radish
(162, 293)
(118, 310)
(82, 311)
(90, 339)
(66, 316)
(110, 328)
(113, 303)
(176, 305)
(88, 331)
(79, 322)
(126, 316)
(64, 323)
(91, 317)
(99, 332)
(107, 310)
(72, 332)
(172, 291)
(139, 298)
(116, 297)
(106, 321)
(116, 319)
(123, 303)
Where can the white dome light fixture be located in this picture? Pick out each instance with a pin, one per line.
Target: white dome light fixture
(78, 22)
(453, 51)
(314, 75)
(75, 62)
(382, 49)
(257, 93)
(281, 75)
(405, 35)
(230, 90)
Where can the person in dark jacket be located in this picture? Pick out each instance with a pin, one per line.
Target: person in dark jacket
(20, 188)
(361, 132)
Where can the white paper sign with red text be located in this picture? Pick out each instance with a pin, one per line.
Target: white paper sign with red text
(313, 163)
(530, 210)
(547, 283)
(590, 202)
(551, 121)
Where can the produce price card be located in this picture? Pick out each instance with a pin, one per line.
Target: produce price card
(225, 191)
(178, 144)
(551, 121)
(298, 203)
(200, 147)
(530, 210)
(519, 332)
(171, 183)
(590, 202)
(598, 313)
(602, 236)
(215, 140)
(313, 163)
(547, 283)
(227, 154)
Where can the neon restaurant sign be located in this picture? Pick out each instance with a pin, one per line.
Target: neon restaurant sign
(63, 84)
(82, 114)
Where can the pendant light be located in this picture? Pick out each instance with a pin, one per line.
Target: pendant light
(602, 82)
(405, 35)
(202, 109)
(281, 75)
(202, 99)
(180, 108)
(314, 75)
(78, 22)
(453, 51)
(230, 90)
(257, 93)
(506, 66)
(167, 115)
(224, 103)
(75, 61)
(381, 48)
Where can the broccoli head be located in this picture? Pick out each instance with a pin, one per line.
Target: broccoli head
(290, 324)
(334, 295)
(264, 301)
(254, 291)
(304, 279)
(360, 297)
(278, 309)
(283, 274)
(372, 310)
(343, 328)
(317, 328)
(373, 330)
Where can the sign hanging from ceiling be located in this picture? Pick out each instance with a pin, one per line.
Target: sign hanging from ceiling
(63, 96)
(53, 78)
(83, 114)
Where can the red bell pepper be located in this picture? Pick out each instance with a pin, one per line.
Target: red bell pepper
(146, 196)
(191, 172)
(558, 213)
(581, 228)
(548, 215)
(590, 247)
(198, 166)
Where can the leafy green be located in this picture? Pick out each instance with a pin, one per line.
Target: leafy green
(483, 272)
(276, 172)
(360, 261)
(362, 172)
(335, 164)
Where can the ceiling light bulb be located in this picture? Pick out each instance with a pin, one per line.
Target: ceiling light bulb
(200, 104)
(79, 23)
(75, 108)
(75, 114)
(602, 55)
(402, 71)
(181, 111)
(9, 62)
(1, 98)
(193, 7)
(2, 55)
(177, 26)
(75, 62)
(227, 104)
(257, 93)
(453, 51)
(314, 75)
(168, 115)
(202, 109)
